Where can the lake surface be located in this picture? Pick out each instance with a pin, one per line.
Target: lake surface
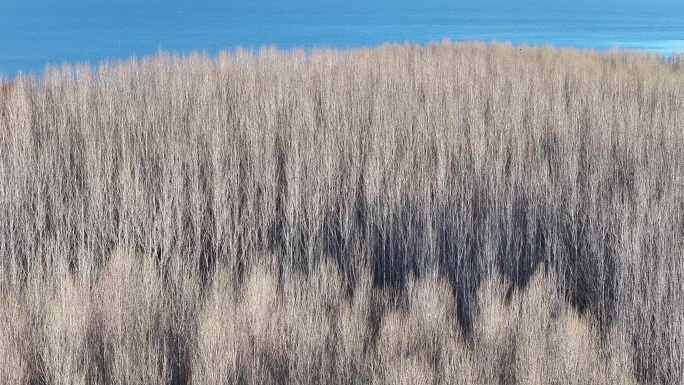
(36, 33)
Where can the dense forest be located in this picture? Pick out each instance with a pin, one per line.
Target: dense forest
(444, 214)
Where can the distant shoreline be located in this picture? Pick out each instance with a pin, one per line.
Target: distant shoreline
(666, 55)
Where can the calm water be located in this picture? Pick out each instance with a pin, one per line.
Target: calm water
(36, 33)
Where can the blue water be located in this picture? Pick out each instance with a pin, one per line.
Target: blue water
(37, 33)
